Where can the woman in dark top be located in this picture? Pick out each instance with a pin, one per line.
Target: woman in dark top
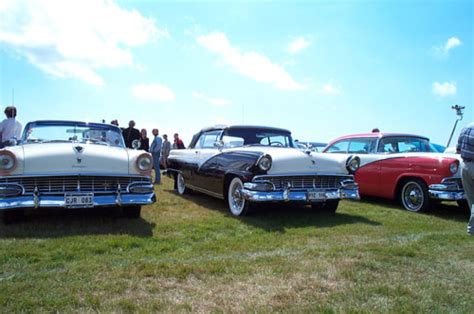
(144, 141)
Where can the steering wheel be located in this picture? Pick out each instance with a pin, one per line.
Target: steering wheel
(279, 144)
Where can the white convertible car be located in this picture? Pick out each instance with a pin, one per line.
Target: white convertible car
(254, 164)
(73, 164)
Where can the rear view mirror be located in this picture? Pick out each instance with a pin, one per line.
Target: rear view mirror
(219, 145)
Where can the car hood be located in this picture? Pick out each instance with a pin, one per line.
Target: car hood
(287, 161)
(53, 158)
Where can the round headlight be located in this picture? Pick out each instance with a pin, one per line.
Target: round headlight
(453, 167)
(265, 163)
(144, 162)
(353, 163)
(7, 161)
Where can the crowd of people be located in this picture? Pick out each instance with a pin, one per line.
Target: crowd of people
(159, 148)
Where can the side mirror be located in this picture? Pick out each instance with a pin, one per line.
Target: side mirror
(136, 144)
(219, 145)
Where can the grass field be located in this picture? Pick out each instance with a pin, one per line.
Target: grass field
(188, 254)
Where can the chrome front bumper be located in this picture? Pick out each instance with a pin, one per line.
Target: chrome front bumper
(445, 192)
(348, 191)
(450, 189)
(31, 201)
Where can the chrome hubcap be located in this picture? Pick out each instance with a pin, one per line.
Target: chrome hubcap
(413, 196)
(181, 185)
(236, 199)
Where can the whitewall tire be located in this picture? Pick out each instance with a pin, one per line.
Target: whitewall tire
(180, 184)
(238, 205)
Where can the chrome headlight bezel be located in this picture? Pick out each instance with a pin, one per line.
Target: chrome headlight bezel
(8, 161)
(144, 163)
(453, 167)
(264, 163)
(352, 164)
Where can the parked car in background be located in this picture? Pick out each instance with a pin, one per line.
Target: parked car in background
(71, 164)
(402, 166)
(254, 164)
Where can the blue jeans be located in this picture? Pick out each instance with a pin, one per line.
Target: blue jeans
(156, 164)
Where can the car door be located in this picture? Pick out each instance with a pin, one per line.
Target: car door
(204, 150)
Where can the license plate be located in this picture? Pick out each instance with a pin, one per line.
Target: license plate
(316, 195)
(79, 200)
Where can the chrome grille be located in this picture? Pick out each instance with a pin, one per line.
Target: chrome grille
(304, 182)
(63, 184)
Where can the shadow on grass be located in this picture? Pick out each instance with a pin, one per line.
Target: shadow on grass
(278, 217)
(55, 223)
(445, 210)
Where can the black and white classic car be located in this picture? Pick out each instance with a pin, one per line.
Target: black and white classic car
(253, 164)
(73, 164)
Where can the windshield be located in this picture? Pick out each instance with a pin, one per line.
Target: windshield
(260, 137)
(401, 144)
(48, 132)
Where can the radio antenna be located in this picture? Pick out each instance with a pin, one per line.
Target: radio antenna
(459, 113)
(13, 97)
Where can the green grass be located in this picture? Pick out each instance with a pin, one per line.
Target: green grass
(188, 254)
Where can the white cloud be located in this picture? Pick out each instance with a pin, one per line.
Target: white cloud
(298, 45)
(450, 44)
(444, 89)
(218, 102)
(330, 89)
(74, 39)
(250, 64)
(153, 93)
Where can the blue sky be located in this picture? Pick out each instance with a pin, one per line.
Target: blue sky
(319, 68)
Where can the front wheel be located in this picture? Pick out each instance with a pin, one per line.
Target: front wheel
(238, 205)
(180, 184)
(414, 195)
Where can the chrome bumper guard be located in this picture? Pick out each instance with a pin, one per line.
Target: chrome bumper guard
(138, 194)
(263, 192)
(446, 190)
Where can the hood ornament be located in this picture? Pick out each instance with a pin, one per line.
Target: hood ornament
(78, 149)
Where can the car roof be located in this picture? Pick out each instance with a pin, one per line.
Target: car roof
(377, 134)
(236, 127)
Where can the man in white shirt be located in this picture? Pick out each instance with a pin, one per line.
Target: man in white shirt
(10, 129)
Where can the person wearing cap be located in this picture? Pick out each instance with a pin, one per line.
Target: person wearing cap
(10, 128)
(465, 147)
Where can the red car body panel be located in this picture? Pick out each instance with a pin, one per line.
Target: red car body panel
(380, 178)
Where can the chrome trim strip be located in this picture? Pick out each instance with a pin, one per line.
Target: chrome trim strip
(316, 174)
(201, 190)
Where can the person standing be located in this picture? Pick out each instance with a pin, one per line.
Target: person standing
(130, 134)
(466, 148)
(144, 141)
(155, 150)
(10, 128)
(178, 143)
(165, 151)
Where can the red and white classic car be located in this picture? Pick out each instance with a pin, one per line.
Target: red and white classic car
(402, 166)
